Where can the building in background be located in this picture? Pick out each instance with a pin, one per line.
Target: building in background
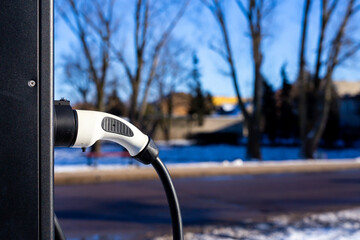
(346, 88)
(228, 106)
(216, 128)
(180, 104)
(349, 109)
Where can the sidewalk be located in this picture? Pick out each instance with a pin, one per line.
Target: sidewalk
(98, 175)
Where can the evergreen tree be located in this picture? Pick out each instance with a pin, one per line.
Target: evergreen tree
(199, 105)
(269, 112)
(332, 129)
(288, 121)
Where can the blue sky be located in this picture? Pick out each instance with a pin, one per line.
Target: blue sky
(198, 30)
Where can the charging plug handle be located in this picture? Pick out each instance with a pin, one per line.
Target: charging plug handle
(79, 128)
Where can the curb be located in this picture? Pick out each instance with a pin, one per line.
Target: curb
(147, 173)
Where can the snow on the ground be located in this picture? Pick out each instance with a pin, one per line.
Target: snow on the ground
(84, 168)
(342, 225)
(195, 154)
(175, 142)
(235, 163)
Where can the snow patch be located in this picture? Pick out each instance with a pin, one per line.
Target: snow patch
(340, 225)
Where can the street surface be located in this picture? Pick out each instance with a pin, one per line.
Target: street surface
(138, 209)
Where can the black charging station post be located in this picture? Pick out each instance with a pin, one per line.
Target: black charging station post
(26, 98)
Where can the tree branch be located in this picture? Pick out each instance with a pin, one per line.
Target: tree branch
(243, 9)
(154, 58)
(219, 51)
(349, 53)
(217, 11)
(122, 60)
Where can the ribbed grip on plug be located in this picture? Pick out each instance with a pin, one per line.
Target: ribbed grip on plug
(115, 126)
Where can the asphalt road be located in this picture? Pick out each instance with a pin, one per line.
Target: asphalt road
(138, 209)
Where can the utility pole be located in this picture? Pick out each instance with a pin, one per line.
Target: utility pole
(26, 115)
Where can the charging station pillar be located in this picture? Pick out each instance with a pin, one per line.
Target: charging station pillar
(26, 140)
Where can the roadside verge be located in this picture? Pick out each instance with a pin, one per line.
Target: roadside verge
(98, 175)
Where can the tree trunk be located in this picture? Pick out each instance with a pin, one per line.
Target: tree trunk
(313, 138)
(100, 99)
(99, 107)
(133, 103)
(256, 115)
(166, 129)
(308, 148)
(96, 147)
(253, 144)
(302, 81)
(169, 117)
(84, 94)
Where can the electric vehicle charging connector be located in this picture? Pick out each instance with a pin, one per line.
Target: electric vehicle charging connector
(82, 128)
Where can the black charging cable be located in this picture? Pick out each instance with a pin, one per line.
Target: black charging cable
(59, 234)
(173, 202)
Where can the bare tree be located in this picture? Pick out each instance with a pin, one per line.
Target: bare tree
(150, 36)
(320, 86)
(171, 73)
(255, 11)
(93, 25)
(301, 77)
(77, 76)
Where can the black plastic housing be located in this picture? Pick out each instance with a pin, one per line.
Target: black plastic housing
(148, 154)
(65, 124)
(26, 117)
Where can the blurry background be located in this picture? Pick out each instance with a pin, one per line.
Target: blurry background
(267, 73)
(214, 81)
